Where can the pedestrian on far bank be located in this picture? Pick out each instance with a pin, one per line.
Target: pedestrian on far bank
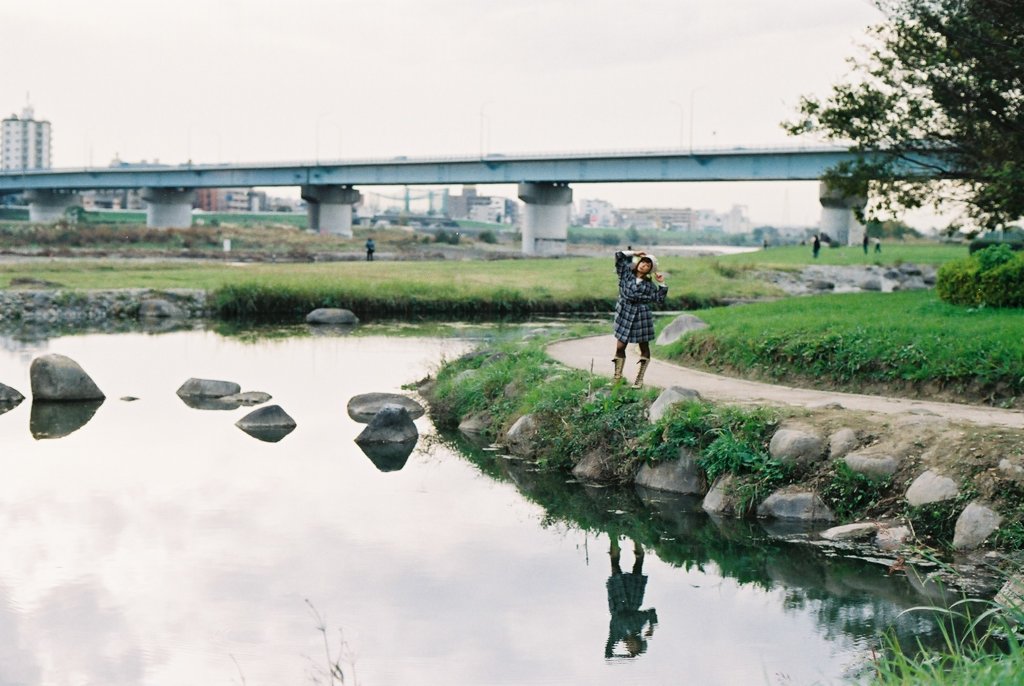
(878, 245)
(633, 320)
(865, 241)
(371, 246)
(816, 245)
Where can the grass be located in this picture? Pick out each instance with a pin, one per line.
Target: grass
(909, 341)
(917, 252)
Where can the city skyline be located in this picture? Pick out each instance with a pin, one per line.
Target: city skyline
(265, 81)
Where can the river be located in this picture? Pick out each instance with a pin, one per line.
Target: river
(160, 544)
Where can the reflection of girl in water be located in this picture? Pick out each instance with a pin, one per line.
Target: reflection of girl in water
(629, 625)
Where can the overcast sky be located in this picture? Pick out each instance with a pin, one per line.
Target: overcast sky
(269, 80)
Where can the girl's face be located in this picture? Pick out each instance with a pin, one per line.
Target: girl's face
(643, 267)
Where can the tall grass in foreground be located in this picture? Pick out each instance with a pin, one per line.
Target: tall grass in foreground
(908, 341)
(982, 646)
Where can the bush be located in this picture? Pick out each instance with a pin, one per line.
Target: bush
(983, 243)
(993, 277)
(487, 236)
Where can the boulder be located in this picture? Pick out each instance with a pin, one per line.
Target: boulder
(842, 442)
(247, 398)
(595, 466)
(331, 315)
(158, 308)
(974, 525)
(931, 487)
(56, 377)
(9, 396)
(207, 388)
(892, 537)
(363, 408)
(850, 532)
(478, 423)
(1012, 593)
(270, 423)
(391, 424)
(1011, 470)
(875, 466)
(521, 437)
(679, 327)
(721, 500)
(871, 284)
(796, 505)
(678, 476)
(668, 398)
(797, 445)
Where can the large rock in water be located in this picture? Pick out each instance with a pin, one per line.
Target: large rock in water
(363, 408)
(331, 315)
(56, 377)
(678, 476)
(270, 423)
(389, 438)
(207, 388)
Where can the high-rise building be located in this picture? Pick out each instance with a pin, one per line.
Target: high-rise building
(24, 142)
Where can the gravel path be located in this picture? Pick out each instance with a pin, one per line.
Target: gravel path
(596, 352)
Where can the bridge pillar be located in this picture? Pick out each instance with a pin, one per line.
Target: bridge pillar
(329, 208)
(837, 217)
(47, 206)
(545, 217)
(168, 208)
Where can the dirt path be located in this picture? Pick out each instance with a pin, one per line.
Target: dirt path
(596, 352)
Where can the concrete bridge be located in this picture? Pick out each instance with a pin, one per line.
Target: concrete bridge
(330, 188)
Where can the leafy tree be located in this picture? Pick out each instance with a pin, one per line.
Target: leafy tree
(939, 93)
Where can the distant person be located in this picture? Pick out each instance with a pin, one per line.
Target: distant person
(371, 246)
(878, 245)
(765, 244)
(816, 245)
(629, 625)
(865, 242)
(633, 320)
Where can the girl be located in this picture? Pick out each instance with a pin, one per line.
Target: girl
(633, 321)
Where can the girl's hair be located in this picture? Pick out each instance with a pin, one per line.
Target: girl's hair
(636, 266)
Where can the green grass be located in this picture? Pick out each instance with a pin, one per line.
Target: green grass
(910, 341)
(917, 252)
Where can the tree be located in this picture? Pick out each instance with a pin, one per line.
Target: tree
(939, 94)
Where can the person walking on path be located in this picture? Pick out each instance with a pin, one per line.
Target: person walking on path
(816, 245)
(633, 320)
(865, 241)
(370, 247)
(878, 245)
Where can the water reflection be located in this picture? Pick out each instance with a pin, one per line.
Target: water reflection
(59, 419)
(388, 457)
(629, 625)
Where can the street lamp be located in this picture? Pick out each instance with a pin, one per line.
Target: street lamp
(693, 92)
(483, 107)
(681, 118)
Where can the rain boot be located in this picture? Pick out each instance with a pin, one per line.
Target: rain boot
(639, 382)
(619, 363)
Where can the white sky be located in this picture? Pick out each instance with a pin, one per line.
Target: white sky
(269, 80)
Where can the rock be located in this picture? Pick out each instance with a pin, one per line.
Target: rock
(871, 284)
(721, 500)
(197, 402)
(464, 376)
(331, 315)
(910, 269)
(363, 408)
(1011, 470)
(668, 398)
(207, 388)
(679, 327)
(247, 398)
(850, 532)
(793, 504)
(9, 396)
(595, 466)
(58, 419)
(158, 308)
(1012, 593)
(479, 423)
(56, 377)
(678, 476)
(128, 398)
(974, 525)
(270, 423)
(821, 285)
(931, 487)
(842, 442)
(521, 437)
(876, 466)
(892, 537)
(797, 445)
(391, 424)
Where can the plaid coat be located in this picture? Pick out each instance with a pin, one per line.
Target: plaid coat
(633, 320)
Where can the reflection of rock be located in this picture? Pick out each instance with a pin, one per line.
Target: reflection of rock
(248, 398)
(54, 420)
(363, 408)
(207, 388)
(388, 457)
(269, 424)
(9, 396)
(201, 403)
(158, 308)
(56, 377)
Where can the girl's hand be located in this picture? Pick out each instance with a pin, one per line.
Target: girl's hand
(658, 277)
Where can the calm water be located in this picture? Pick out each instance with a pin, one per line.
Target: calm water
(159, 544)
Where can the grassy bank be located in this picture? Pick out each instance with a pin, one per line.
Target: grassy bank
(910, 343)
(917, 252)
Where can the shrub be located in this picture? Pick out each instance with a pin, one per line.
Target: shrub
(993, 277)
